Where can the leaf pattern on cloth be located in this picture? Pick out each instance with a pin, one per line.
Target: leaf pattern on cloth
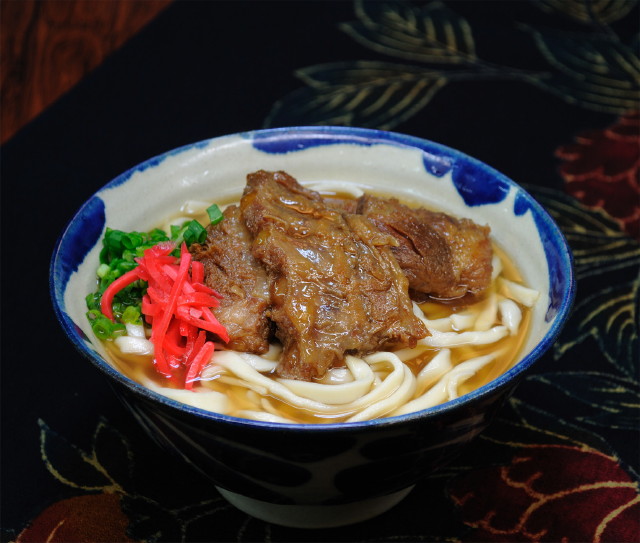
(432, 33)
(554, 475)
(364, 93)
(595, 71)
(597, 243)
(529, 499)
(110, 506)
(610, 313)
(611, 317)
(602, 12)
(600, 399)
(602, 170)
(523, 424)
(592, 69)
(72, 466)
(550, 479)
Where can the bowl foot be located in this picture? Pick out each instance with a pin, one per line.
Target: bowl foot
(315, 516)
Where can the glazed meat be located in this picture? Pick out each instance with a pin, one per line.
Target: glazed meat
(342, 204)
(231, 269)
(440, 255)
(336, 287)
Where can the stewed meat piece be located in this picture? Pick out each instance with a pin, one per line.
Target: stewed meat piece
(347, 205)
(231, 269)
(441, 256)
(336, 287)
(329, 276)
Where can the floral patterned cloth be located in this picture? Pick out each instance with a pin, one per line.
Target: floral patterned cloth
(601, 170)
(546, 91)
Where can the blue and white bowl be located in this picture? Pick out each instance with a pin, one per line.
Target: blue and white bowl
(334, 474)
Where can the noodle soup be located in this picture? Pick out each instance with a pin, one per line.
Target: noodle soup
(470, 343)
(327, 474)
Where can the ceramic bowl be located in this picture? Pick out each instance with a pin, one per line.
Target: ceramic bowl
(307, 475)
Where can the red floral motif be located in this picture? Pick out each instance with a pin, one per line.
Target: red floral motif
(550, 493)
(602, 170)
(95, 518)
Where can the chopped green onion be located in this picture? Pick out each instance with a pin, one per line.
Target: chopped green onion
(215, 215)
(131, 241)
(103, 270)
(103, 327)
(93, 301)
(176, 230)
(121, 246)
(177, 233)
(131, 315)
(117, 257)
(195, 233)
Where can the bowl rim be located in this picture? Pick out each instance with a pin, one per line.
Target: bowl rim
(333, 135)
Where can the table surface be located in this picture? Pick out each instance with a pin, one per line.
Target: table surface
(546, 92)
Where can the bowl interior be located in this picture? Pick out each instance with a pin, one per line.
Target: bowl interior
(415, 169)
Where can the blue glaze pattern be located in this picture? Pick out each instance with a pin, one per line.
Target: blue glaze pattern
(479, 186)
(559, 272)
(282, 145)
(154, 162)
(522, 204)
(475, 182)
(438, 165)
(81, 236)
(560, 291)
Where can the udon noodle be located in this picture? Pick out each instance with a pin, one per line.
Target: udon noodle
(468, 346)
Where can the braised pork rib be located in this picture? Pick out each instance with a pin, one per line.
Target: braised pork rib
(336, 288)
(442, 256)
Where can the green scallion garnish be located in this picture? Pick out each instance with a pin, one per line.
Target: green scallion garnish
(215, 215)
(195, 233)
